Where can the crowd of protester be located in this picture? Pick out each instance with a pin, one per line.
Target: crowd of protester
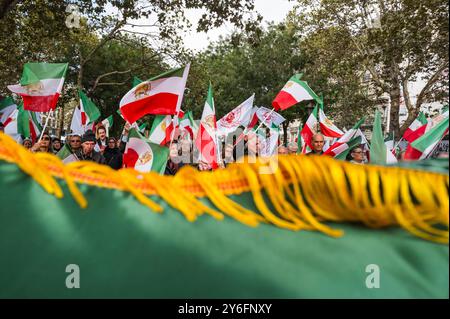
(107, 150)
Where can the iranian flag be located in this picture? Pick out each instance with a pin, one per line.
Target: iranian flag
(239, 116)
(187, 123)
(108, 123)
(84, 115)
(343, 149)
(269, 118)
(161, 95)
(40, 85)
(379, 154)
(327, 127)
(293, 92)
(144, 156)
(425, 144)
(206, 140)
(24, 123)
(337, 147)
(161, 130)
(7, 107)
(309, 129)
(418, 123)
(66, 155)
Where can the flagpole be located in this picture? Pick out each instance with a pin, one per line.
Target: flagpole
(173, 131)
(46, 123)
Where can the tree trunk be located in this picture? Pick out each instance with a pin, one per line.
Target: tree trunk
(394, 95)
(412, 114)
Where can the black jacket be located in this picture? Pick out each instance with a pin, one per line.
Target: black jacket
(113, 157)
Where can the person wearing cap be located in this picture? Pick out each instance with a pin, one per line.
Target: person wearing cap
(87, 149)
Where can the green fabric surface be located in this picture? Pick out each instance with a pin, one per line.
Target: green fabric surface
(126, 251)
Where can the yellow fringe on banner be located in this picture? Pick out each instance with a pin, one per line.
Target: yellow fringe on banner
(291, 192)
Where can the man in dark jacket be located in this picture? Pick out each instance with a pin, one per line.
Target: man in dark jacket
(87, 149)
(112, 154)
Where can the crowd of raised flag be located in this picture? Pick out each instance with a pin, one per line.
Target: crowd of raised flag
(175, 139)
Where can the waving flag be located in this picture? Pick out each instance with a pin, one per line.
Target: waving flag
(144, 156)
(419, 122)
(161, 95)
(425, 144)
(379, 154)
(108, 123)
(239, 116)
(336, 148)
(327, 128)
(293, 92)
(206, 140)
(40, 85)
(7, 107)
(269, 118)
(187, 123)
(84, 116)
(161, 130)
(309, 129)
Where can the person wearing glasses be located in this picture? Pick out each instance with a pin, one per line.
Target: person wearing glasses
(75, 143)
(43, 145)
(357, 156)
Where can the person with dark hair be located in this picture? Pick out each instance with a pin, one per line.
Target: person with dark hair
(87, 149)
(27, 143)
(357, 155)
(43, 145)
(75, 143)
(56, 145)
(102, 140)
(112, 154)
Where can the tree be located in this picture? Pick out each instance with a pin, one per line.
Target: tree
(260, 62)
(37, 31)
(395, 41)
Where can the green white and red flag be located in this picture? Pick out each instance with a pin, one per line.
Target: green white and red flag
(40, 85)
(161, 130)
(144, 156)
(293, 92)
(161, 95)
(206, 140)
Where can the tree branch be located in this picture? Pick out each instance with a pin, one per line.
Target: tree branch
(5, 6)
(406, 95)
(96, 83)
(112, 83)
(434, 78)
(105, 39)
